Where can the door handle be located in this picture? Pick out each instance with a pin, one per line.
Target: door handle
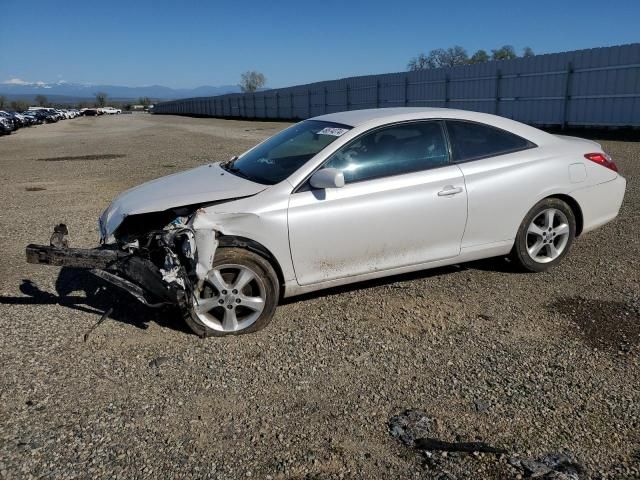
(449, 190)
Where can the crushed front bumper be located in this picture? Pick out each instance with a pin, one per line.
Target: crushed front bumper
(136, 275)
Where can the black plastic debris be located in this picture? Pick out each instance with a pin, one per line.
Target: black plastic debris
(411, 425)
(415, 429)
(556, 466)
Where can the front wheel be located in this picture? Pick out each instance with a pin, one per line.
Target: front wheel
(545, 235)
(239, 295)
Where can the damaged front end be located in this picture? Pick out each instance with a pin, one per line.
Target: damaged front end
(160, 258)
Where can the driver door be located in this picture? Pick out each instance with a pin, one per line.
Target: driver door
(403, 204)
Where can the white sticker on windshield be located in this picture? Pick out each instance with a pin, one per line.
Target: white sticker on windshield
(333, 131)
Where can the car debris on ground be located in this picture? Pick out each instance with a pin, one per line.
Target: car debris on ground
(414, 428)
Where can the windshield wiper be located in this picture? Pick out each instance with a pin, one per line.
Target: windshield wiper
(231, 168)
(229, 162)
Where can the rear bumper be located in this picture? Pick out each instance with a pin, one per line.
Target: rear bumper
(600, 203)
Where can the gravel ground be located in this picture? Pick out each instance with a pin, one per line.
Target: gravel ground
(534, 364)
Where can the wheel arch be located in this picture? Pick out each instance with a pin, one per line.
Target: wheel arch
(255, 247)
(575, 208)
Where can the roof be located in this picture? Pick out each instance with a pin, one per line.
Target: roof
(357, 117)
(374, 117)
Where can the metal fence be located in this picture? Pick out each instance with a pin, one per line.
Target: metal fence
(595, 87)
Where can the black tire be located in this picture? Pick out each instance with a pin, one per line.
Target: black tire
(263, 269)
(520, 252)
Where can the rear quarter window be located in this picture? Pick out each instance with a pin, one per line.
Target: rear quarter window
(471, 141)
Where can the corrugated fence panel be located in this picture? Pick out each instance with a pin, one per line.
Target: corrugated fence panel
(473, 88)
(426, 88)
(318, 98)
(301, 102)
(393, 90)
(363, 92)
(599, 87)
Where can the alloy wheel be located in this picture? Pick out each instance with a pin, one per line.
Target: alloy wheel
(547, 235)
(231, 298)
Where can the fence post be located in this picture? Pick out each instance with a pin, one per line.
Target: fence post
(277, 104)
(265, 105)
(406, 89)
(326, 104)
(291, 104)
(348, 99)
(446, 90)
(498, 79)
(309, 102)
(567, 96)
(377, 93)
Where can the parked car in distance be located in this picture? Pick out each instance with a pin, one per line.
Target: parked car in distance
(6, 126)
(112, 110)
(19, 120)
(37, 118)
(8, 121)
(347, 197)
(90, 112)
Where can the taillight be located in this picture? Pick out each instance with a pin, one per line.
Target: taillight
(603, 159)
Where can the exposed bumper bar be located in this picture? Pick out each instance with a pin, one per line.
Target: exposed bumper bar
(101, 258)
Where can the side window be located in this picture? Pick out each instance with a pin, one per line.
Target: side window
(392, 151)
(474, 140)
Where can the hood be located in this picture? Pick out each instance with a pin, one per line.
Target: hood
(208, 183)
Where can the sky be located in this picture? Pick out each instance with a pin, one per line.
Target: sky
(185, 44)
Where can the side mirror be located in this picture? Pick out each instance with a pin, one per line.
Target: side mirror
(327, 178)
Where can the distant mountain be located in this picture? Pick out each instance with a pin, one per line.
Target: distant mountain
(16, 87)
(60, 99)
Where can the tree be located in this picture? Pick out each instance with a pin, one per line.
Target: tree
(144, 101)
(251, 81)
(421, 62)
(41, 100)
(454, 56)
(438, 58)
(507, 52)
(481, 56)
(3, 100)
(101, 99)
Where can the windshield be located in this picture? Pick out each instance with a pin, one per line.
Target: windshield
(281, 155)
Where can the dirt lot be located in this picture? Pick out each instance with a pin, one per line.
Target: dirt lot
(531, 363)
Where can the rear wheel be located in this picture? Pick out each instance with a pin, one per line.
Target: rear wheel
(545, 235)
(239, 295)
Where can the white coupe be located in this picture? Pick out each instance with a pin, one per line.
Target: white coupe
(342, 198)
